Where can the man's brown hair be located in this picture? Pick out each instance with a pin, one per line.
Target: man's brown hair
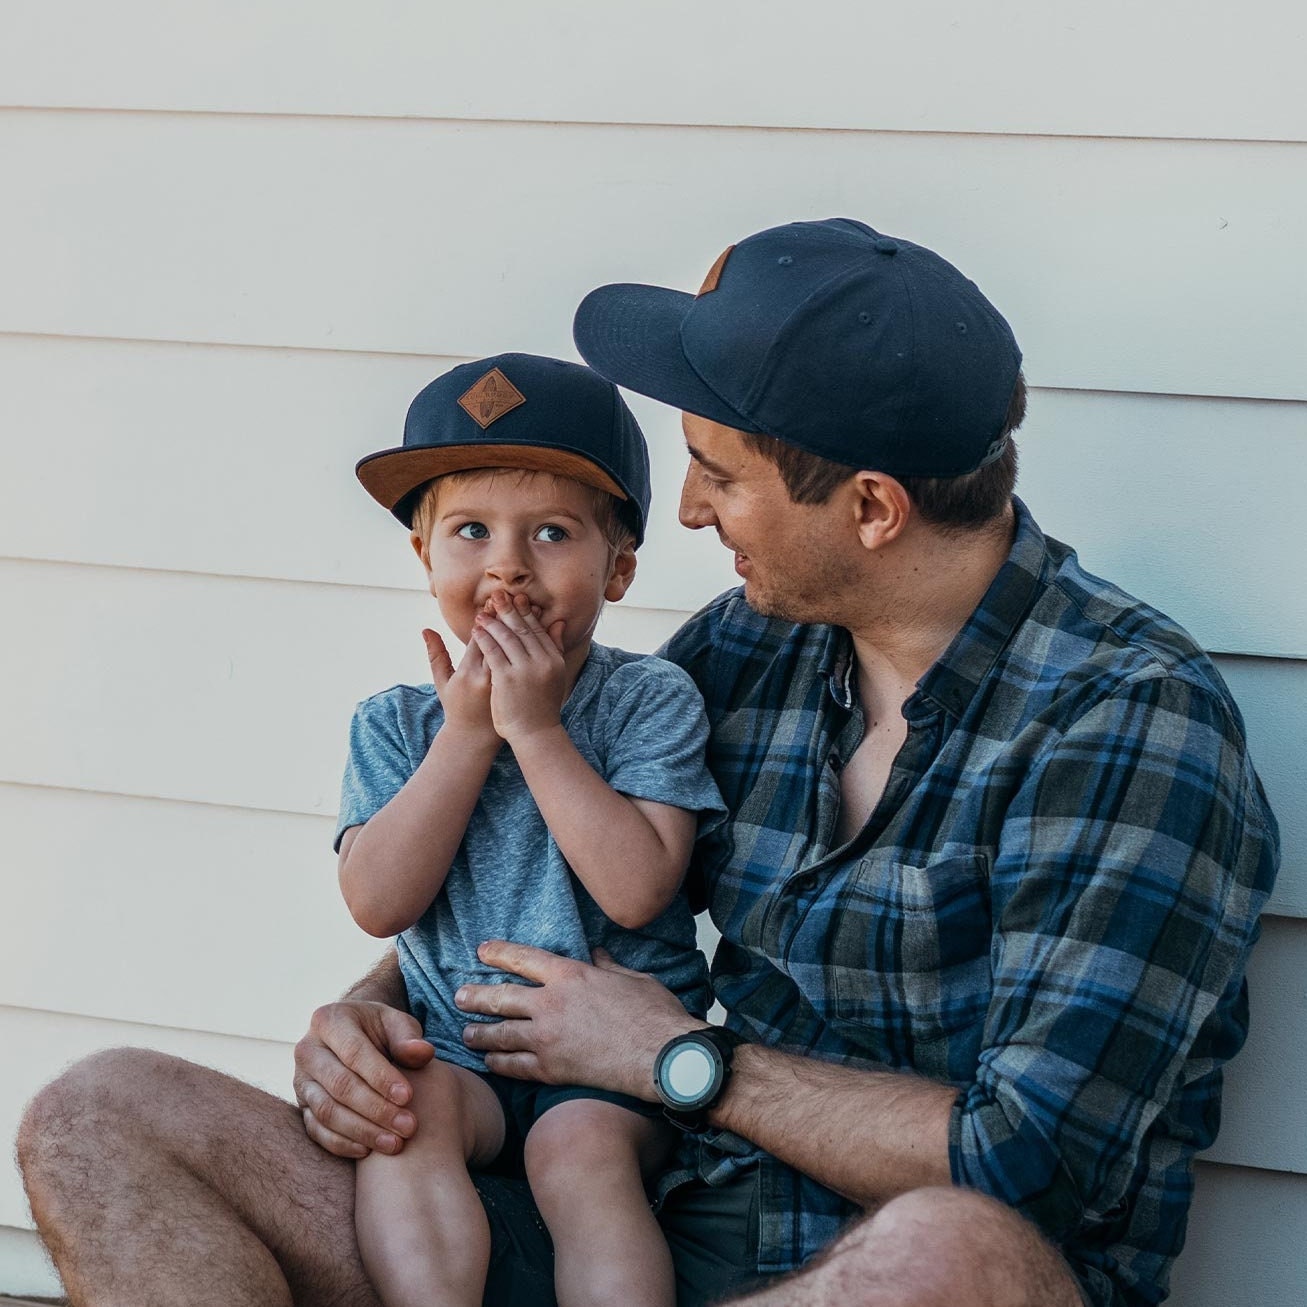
(969, 502)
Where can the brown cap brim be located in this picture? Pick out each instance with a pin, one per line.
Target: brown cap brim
(393, 473)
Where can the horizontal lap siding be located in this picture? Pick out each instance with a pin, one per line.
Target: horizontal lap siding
(1170, 68)
(1122, 265)
(213, 307)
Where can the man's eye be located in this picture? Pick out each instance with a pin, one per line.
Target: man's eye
(473, 531)
(553, 534)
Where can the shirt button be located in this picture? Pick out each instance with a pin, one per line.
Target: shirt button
(806, 882)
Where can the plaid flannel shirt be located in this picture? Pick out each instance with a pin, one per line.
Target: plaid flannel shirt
(1050, 908)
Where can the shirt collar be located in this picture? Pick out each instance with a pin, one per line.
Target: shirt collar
(953, 680)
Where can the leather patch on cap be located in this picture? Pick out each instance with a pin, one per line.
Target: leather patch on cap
(715, 272)
(490, 398)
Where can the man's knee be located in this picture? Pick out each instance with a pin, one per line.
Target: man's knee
(967, 1216)
(88, 1101)
(931, 1241)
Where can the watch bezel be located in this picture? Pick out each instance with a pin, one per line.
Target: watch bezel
(720, 1045)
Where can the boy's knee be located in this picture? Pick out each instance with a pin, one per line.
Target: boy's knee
(577, 1135)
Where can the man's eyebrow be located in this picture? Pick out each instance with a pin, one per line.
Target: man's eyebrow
(704, 461)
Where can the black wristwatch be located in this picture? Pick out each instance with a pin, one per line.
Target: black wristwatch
(690, 1074)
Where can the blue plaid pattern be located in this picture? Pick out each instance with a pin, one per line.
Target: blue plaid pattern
(1050, 908)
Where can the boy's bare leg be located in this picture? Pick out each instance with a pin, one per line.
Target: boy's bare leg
(155, 1182)
(932, 1248)
(585, 1159)
(421, 1228)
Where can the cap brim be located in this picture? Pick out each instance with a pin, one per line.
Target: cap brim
(631, 334)
(390, 475)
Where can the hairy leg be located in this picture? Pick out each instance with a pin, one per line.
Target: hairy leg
(932, 1248)
(156, 1182)
(585, 1159)
(421, 1228)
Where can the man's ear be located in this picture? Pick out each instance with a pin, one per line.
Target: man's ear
(621, 575)
(882, 507)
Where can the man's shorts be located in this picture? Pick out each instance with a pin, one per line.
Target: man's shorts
(712, 1232)
(524, 1102)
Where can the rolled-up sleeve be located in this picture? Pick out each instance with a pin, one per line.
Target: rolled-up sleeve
(1135, 856)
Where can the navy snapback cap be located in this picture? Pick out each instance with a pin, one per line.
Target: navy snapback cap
(862, 348)
(520, 411)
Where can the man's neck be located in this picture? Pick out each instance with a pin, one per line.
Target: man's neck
(924, 597)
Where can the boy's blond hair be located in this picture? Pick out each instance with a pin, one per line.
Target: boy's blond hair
(606, 508)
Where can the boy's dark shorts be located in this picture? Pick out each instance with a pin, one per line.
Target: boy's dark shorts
(712, 1232)
(524, 1102)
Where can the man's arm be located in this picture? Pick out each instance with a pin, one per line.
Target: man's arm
(868, 1135)
(351, 1094)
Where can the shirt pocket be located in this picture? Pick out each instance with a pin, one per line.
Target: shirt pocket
(909, 954)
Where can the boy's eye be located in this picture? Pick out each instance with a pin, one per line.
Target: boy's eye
(554, 535)
(473, 531)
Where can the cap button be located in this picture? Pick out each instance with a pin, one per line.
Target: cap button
(886, 246)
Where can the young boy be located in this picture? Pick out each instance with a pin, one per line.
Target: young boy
(546, 790)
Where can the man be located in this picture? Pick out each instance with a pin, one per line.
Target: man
(992, 869)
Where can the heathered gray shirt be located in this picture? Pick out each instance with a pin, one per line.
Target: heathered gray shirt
(639, 722)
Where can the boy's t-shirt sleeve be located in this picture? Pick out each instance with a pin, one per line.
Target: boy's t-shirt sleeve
(380, 756)
(655, 734)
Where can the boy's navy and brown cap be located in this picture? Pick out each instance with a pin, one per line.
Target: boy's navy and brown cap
(862, 348)
(519, 411)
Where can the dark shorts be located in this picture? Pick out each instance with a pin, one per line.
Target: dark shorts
(712, 1232)
(524, 1102)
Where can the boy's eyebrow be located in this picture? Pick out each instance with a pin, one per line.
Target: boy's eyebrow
(549, 510)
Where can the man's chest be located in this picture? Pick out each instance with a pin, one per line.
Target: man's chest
(854, 899)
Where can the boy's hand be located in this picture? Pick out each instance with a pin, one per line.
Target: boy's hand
(465, 692)
(528, 676)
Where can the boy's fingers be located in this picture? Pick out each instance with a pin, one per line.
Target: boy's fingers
(506, 639)
(524, 621)
(442, 665)
(491, 653)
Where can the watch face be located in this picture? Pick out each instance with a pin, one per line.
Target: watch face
(689, 1073)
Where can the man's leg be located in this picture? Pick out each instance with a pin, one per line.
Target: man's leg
(155, 1182)
(932, 1248)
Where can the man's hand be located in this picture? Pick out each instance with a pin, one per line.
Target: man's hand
(599, 1025)
(351, 1096)
(464, 692)
(528, 674)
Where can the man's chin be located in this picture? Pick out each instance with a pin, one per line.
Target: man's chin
(763, 604)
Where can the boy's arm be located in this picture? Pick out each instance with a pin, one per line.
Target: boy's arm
(391, 867)
(631, 854)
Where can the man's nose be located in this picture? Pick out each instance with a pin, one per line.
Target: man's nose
(694, 510)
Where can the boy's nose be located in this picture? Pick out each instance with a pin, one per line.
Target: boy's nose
(508, 569)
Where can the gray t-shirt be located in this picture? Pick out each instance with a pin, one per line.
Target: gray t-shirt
(639, 722)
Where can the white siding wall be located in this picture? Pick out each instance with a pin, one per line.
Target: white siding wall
(236, 237)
